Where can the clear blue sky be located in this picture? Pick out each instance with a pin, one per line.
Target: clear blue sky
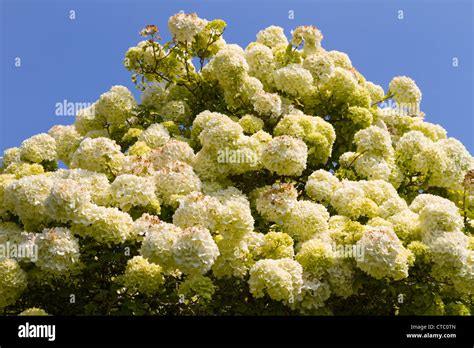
(79, 59)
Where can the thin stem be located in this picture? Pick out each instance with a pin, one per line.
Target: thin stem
(388, 96)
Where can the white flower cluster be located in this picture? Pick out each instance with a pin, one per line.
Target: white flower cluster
(384, 254)
(184, 26)
(58, 250)
(281, 280)
(264, 166)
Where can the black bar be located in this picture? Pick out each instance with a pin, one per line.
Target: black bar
(289, 331)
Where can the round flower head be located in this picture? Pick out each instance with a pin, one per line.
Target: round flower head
(27, 199)
(294, 80)
(306, 220)
(320, 66)
(67, 141)
(251, 124)
(22, 169)
(316, 257)
(175, 180)
(442, 216)
(116, 105)
(361, 117)
(285, 155)
(272, 36)
(275, 202)
(320, 186)
(418, 154)
(195, 251)
(340, 59)
(215, 130)
(5, 179)
(384, 256)
(11, 155)
(341, 84)
(154, 95)
(155, 136)
(88, 120)
(197, 288)
(105, 225)
(129, 190)
(405, 91)
(196, 209)
(229, 66)
(374, 139)
(157, 246)
(433, 131)
(310, 36)
(275, 245)
(317, 134)
(58, 250)
(280, 279)
(313, 294)
(185, 26)
(349, 200)
(260, 60)
(267, 104)
(13, 282)
(177, 111)
(101, 155)
(406, 224)
(66, 200)
(96, 184)
(368, 165)
(234, 218)
(35, 312)
(137, 165)
(376, 92)
(142, 276)
(448, 250)
(458, 162)
(39, 148)
(425, 199)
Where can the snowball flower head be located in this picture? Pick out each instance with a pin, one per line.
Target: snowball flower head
(272, 36)
(116, 105)
(13, 282)
(285, 155)
(310, 35)
(195, 251)
(66, 199)
(143, 276)
(294, 80)
(39, 148)
(280, 279)
(101, 155)
(184, 26)
(129, 190)
(405, 91)
(155, 136)
(305, 220)
(58, 250)
(384, 256)
(320, 185)
(157, 246)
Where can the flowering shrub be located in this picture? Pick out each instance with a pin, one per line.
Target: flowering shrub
(264, 180)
